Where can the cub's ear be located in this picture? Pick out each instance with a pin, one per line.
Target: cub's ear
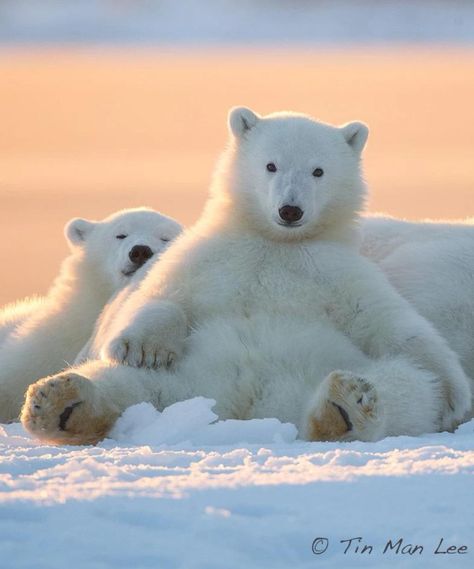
(77, 230)
(356, 134)
(241, 120)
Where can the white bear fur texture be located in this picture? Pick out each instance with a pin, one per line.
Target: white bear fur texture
(271, 314)
(432, 265)
(43, 335)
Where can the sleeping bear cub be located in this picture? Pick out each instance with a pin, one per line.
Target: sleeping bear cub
(266, 306)
(43, 335)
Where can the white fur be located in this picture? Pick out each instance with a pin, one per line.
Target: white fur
(41, 336)
(381, 235)
(256, 314)
(11, 315)
(432, 265)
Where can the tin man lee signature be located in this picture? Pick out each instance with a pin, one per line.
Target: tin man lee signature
(357, 546)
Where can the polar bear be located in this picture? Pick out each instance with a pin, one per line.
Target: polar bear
(432, 265)
(266, 306)
(44, 335)
(382, 235)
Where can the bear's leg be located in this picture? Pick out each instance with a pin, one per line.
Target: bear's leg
(69, 408)
(387, 398)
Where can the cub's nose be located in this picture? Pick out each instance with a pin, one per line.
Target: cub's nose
(290, 213)
(139, 254)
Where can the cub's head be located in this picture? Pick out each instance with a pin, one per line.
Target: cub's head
(292, 177)
(121, 244)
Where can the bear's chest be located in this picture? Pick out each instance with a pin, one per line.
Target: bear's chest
(273, 282)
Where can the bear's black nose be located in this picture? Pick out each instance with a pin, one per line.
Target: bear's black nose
(139, 254)
(290, 213)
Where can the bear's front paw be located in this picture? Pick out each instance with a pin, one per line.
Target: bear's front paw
(66, 409)
(346, 407)
(154, 337)
(143, 352)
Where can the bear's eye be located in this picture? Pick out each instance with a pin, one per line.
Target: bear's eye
(318, 172)
(165, 239)
(121, 236)
(271, 167)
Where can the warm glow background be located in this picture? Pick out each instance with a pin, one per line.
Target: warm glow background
(84, 132)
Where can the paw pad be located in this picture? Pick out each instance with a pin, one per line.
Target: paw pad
(64, 417)
(347, 409)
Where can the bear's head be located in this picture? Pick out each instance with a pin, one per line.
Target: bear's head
(117, 247)
(292, 177)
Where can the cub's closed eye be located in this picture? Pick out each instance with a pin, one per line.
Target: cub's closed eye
(121, 236)
(271, 167)
(318, 172)
(165, 239)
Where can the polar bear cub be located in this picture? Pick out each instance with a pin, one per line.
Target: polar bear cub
(266, 306)
(43, 335)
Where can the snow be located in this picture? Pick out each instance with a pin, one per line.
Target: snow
(143, 425)
(180, 489)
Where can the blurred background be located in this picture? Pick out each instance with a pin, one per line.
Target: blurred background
(106, 104)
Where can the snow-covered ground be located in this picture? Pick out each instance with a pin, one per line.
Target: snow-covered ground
(178, 490)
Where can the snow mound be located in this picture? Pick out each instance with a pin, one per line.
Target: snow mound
(193, 422)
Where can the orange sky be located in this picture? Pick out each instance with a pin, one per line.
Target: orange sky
(84, 133)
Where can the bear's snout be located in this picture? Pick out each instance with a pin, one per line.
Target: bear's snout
(290, 213)
(139, 254)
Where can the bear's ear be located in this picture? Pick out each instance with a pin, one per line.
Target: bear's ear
(356, 134)
(241, 120)
(77, 230)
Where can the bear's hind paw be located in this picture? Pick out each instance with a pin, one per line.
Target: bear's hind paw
(65, 409)
(345, 408)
